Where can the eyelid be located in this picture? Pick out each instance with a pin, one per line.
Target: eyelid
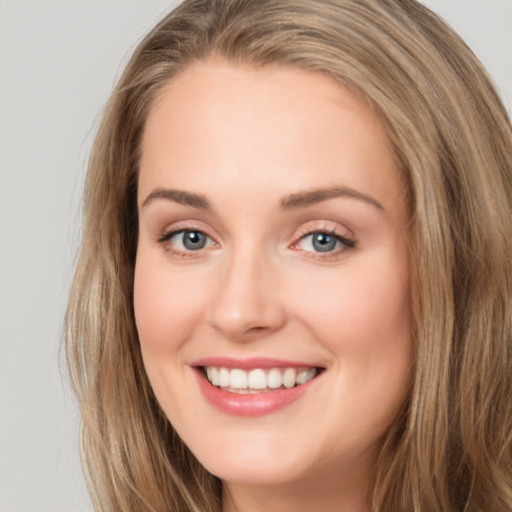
(166, 234)
(165, 237)
(345, 237)
(323, 226)
(184, 225)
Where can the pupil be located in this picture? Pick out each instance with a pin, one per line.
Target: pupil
(323, 242)
(194, 240)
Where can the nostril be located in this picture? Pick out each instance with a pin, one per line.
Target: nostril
(257, 330)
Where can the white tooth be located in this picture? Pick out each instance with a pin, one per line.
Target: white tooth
(289, 376)
(209, 373)
(311, 373)
(305, 375)
(238, 379)
(214, 375)
(257, 379)
(274, 379)
(224, 378)
(301, 377)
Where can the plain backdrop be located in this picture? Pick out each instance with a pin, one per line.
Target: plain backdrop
(59, 60)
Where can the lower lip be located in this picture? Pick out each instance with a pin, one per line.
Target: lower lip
(250, 405)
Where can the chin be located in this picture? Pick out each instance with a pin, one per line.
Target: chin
(250, 472)
(256, 463)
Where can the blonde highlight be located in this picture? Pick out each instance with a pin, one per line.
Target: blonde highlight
(450, 448)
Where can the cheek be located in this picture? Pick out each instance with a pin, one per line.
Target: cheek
(362, 317)
(364, 320)
(362, 309)
(166, 309)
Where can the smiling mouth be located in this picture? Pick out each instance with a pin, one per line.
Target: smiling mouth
(258, 380)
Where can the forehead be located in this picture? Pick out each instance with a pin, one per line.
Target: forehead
(216, 91)
(247, 127)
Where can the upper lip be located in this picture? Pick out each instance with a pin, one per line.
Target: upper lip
(250, 363)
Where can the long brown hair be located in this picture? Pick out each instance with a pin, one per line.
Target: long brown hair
(450, 448)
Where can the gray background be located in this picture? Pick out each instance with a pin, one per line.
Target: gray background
(58, 63)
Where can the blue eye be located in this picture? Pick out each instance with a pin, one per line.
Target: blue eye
(187, 240)
(324, 242)
(193, 240)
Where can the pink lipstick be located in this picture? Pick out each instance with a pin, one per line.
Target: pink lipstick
(253, 387)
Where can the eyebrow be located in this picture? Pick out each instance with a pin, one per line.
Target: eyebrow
(291, 202)
(312, 197)
(178, 196)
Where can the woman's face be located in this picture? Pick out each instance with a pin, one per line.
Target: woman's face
(272, 256)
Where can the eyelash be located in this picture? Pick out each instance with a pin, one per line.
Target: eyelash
(168, 235)
(346, 243)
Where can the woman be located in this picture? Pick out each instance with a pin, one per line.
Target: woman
(293, 289)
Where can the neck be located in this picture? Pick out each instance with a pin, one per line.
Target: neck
(327, 491)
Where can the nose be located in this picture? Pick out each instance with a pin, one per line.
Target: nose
(246, 302)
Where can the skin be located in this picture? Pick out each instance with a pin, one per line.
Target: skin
(246, 139)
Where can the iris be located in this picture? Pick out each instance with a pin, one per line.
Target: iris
(193, 240)
(324, 242)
